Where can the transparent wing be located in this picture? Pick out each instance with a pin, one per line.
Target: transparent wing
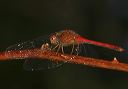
(87, 50)
(18, 47)
(33, 64)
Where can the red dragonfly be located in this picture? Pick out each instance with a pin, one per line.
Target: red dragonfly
(66, 41)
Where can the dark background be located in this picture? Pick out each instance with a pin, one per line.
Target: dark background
(100, 20)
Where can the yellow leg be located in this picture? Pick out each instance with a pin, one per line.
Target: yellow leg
(55, 47)
(62, 49)
(72, 48)
(77, 50)
(58, 48)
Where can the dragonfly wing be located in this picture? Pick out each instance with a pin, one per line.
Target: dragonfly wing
(87, 50)
(33, 65)
(18, 47)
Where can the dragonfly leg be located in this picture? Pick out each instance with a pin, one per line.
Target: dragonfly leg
(72, 48)
(62, 49)
(77, 49)
(55, 47)
(58, 48)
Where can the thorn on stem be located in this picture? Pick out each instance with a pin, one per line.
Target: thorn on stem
(115, 60)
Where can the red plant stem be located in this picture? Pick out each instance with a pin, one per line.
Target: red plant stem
(3, 57)
(53, 56)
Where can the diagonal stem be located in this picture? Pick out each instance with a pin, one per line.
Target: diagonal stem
(53, 56)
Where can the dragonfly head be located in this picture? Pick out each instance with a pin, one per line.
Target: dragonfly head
(54, 39)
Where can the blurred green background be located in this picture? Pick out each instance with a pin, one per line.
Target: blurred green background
(100, 20)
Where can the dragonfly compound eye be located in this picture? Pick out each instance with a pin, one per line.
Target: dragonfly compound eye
(54, 39)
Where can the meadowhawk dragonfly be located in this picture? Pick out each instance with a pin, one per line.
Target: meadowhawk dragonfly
(66, 41)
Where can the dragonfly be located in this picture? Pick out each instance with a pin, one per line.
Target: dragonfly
(65, 42)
